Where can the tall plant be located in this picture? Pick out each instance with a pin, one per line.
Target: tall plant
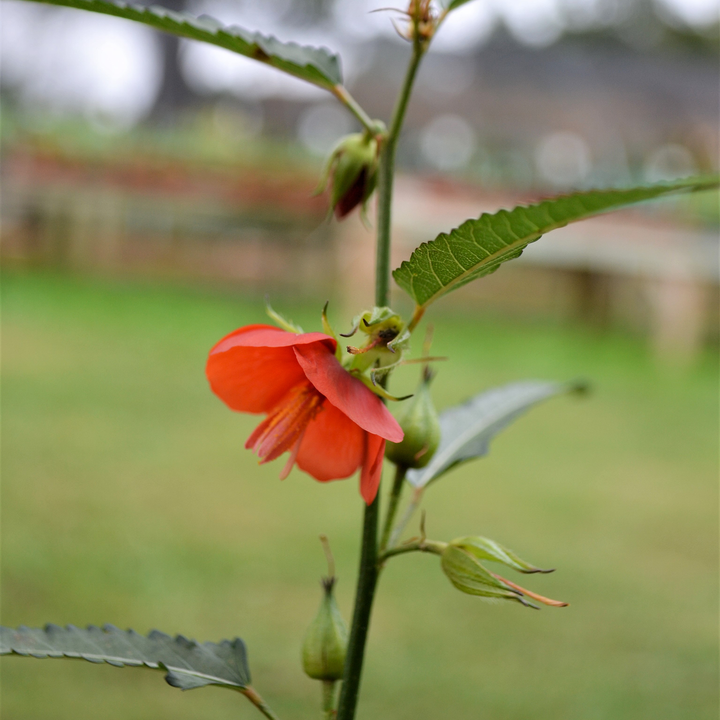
(325, 405)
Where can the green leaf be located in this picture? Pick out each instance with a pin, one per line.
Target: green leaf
(479, 247)
(486, 549)
(466, 430)
(470, 577)
(316, 65)
(188, 664)
(454, 4)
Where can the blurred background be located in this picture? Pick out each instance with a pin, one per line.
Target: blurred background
(155, 189)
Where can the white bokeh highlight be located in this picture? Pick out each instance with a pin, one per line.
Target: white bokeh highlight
(321, 126)
(73, 62)
(448, 142)
(563, 159)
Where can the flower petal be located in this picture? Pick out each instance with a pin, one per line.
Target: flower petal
(333, 446)
(269, 336)
(252, 368)
(372, 467)
(346, 392)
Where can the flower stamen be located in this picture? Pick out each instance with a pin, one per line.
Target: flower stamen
(285, 424)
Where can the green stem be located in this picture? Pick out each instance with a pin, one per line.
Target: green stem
(428, 546)
(405, 519)
(367, 578)
(342, 94)
(386, 175)
(394, 501)
(328, 691)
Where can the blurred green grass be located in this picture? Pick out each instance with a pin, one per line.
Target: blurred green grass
(128, 498)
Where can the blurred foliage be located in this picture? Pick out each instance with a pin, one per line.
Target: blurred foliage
(128, 498)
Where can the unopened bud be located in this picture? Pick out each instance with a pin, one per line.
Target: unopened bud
(353, 167)
(419, 421)
(325, 644)
(460, 562)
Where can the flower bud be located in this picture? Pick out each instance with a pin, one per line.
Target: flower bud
(353, 164)
(460, 562)
(325, 644)
(419, 421)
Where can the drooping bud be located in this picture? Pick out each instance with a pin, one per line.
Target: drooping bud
(353, 167)
(419, 421)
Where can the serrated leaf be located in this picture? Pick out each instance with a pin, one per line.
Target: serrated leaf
(478, 247)
(467, 429)
(485, 549)
(316, 65)
(188, 664)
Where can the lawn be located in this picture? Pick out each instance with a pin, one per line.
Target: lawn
(127, 497)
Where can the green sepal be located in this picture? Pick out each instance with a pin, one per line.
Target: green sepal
(282, 322)
(419, 421)
(378, 389)
(354, 168)
(401, 342)
(467, 574)
(486, 549)
(325, 173)
(327, 329)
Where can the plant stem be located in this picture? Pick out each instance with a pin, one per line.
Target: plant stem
(367, 579)
(394, 501)
(328, 690)
(428, 546)
(405, 519)
(386, 176)
(342, 94)
(416, 318)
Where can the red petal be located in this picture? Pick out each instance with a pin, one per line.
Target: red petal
(254, 367)
(346, 392)
(270, 337)
(333, 446)
(372, 468)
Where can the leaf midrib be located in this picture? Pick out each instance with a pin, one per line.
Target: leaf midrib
(132, 662)
(457, 280)
(461, 439)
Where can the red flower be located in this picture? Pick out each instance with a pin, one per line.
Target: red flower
(331, 423)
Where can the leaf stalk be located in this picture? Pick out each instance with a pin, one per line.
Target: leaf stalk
(407, 515)
(250, 693)
(344, 96)
(393, 503)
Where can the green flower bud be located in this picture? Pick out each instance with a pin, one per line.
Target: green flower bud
(353, 165)
(461, 563)
(419, 421)
(467, 574)
(325, 644)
